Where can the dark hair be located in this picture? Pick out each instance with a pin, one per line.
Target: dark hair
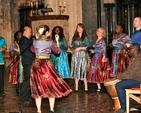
(136, 46)
(76, 35)
(122, 26)
(61, 34)
(15, 35)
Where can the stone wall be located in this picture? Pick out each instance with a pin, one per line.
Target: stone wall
(9, 16)
(9, 19)
(89, 16)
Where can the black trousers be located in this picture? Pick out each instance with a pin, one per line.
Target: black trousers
(25, 91)
(1, 79)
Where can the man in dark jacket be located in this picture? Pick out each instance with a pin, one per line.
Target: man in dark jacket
(27, 58)
(130, 78)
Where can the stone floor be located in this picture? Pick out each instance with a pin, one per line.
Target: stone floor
(76, 102)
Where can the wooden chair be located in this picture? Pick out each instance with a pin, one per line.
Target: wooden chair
(132, 93)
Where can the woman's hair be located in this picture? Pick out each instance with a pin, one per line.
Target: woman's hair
(61, 34)
(76, 35)
(16, 35)
(104, 31)
(42, 29)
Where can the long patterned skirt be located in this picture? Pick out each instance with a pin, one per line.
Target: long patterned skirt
(80, 64)
(119, 63)
(16, 72)
(13, 75)
(45, 80)
(99, 71)
(61, 64)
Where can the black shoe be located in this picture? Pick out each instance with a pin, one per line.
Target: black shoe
(75, 90)
(86, 91)
(121, 111)
(51, 112)
(17, 93)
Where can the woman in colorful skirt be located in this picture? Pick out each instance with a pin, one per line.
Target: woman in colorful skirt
(45, 82)
(99, 67)
(80, 57)
(120, 58)
(60, 61)
(16, 70)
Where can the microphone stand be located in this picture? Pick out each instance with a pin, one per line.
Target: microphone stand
(11, 64)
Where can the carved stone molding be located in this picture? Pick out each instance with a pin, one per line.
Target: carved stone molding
(49, 17)
(51, 21)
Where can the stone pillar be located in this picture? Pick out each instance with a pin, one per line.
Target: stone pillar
(98, 13)
(109, 17)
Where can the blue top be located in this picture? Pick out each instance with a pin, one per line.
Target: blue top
(122, 40)
(84, 43)
(136, 37)
(2, 44)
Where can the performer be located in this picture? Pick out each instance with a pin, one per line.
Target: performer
(60, 61)
(16, 71)
(45, 82)
(3, 48)
(130, 78)
(80, 57)
(120, 59)
(99, 67)
(136, 36)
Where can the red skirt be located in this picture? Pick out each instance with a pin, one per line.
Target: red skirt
(119, 62)
(45, 81)
(99, 71)
(13, 75)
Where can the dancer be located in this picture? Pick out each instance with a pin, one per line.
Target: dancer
(80, 57)
(60, 61)
(120, 59)
(45, 82)
(99, 67)
(130, 78)
(3, 48)
(16, 71)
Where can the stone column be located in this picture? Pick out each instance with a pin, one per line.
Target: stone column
(98, 13)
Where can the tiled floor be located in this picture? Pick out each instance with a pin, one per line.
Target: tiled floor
(76, 102)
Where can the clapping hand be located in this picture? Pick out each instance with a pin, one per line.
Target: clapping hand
(104, 59)
(111, 45)
(70, 45)
(91, 50)
(128, 45)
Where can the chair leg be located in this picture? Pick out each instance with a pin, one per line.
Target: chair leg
(127, 101)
